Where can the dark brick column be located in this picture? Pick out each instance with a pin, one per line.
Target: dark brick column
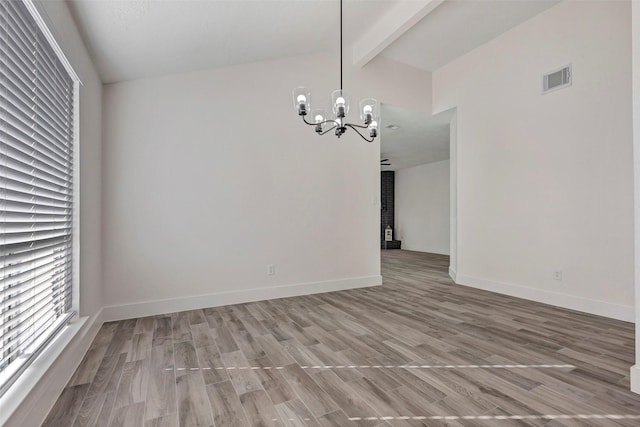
(387, 199)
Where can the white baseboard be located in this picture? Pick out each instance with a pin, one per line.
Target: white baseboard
(635, 378)
(427, 250)
(600, 308)
(151, 308)
(453, 274)
(31, 397)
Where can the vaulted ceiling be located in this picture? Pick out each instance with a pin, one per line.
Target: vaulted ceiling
(133, 39)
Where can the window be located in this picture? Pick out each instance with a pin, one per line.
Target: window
(37, 92)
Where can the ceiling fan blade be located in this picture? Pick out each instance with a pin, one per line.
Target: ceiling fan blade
(384, 160)
(385, 164)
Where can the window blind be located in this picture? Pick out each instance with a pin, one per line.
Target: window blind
(36, 190)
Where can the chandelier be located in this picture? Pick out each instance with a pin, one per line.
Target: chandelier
(340, 102)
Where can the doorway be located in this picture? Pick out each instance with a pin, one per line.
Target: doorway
(418, 191)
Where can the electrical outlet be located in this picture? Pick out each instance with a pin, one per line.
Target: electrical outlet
(557, 275)
(271, 270)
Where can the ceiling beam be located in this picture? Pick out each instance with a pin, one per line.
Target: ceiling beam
(390, 27)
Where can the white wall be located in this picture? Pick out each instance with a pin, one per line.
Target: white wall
(34, 408)
(545, 181)
(422, 207)
(211, 176)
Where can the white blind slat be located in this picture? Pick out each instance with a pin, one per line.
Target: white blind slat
(27, 298)
(16, 72)
(35, 162)
(30, 127)
(27, 175)
(32, 187)
(42, 312)
(18, 262)
(38, 150)
(17, 252)
(14, 164)
(41, 284)
(29, 135)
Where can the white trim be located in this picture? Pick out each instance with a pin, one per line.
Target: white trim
(427, 250)
(151, 308)
(453, 274)
(635, 84)
(634, 375)
(438, 251)
(572, 302)
(46, 377)
(453, 190)
(76, 253)
(37, 16)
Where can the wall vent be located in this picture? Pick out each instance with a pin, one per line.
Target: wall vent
(556, 79)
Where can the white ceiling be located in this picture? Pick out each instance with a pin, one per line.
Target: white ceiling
(419, 138)
(133, 39)
(459, 26)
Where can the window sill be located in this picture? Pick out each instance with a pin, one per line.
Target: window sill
(32, 376)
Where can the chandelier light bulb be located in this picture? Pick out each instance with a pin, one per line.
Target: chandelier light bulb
(319, 120)
(340, 106)
(373, 129)
(367, 114)
(301, 100)
(368, 110)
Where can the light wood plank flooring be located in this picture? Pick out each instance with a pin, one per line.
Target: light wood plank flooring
(416, 351)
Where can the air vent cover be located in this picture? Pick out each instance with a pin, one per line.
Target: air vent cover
(556, 79)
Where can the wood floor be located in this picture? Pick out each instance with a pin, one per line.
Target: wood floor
(416, 351)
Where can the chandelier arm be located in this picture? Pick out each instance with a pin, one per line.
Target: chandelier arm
(358, 132)
(320, 123)
(329, 121)
(335, 124)
(329, 130)
(314, 124)
(357, 126)
(305, 120)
